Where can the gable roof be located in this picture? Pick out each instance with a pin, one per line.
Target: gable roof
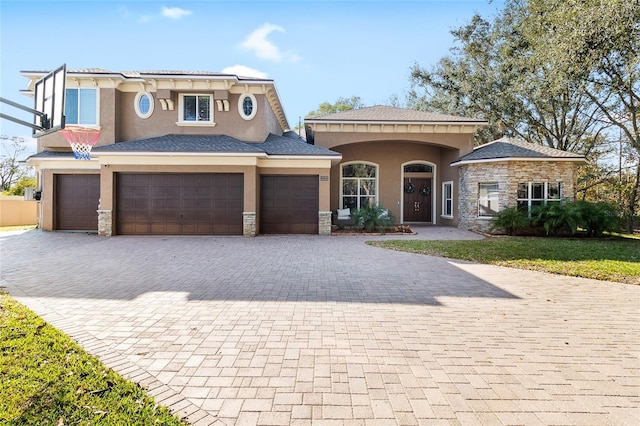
(383, 113)
(514, 149)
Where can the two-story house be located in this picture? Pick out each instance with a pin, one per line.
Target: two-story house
(213, 154)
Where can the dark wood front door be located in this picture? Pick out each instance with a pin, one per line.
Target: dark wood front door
(76, 202)
(417, 204)
(179, 203)
(289, 204)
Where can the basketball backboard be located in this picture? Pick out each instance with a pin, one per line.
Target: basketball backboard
(49, 94)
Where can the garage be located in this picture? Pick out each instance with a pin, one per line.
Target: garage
(179, 203)
(76, 202)
(289, 204)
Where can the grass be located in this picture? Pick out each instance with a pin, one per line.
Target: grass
(47, 379)
(613, 259)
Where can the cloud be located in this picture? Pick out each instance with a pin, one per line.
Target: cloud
(257, 43)
(175, 12)
(244, 71)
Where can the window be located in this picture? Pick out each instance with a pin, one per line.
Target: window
(195, 109)
(532, 194)
(358, 187)
(247, 106)
(488, 202)
(81, 106)
(143, 104)
(447, 199)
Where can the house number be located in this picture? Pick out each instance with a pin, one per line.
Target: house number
(416, 206)
(324, 178)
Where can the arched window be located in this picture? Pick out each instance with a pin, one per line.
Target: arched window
(359, 185)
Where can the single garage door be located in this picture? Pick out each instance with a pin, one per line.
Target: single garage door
(179, 204)
(76, 201)
(289, 204)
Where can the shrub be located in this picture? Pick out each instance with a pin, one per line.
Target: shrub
(510, 220)
(557, 218)
(596, 218)
(373, 218)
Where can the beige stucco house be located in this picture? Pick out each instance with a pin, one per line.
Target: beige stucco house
(213, 154)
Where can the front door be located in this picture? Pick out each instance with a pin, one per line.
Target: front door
(417, 200)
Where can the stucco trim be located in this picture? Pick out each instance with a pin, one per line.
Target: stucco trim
(394, 127)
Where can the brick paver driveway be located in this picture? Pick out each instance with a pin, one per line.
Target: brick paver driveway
(309, 329)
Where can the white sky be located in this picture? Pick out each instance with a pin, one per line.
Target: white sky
(316, 51)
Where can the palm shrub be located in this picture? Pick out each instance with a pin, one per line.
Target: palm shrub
(373, 218)
(510, 220)
(596, 218)
(557, 218)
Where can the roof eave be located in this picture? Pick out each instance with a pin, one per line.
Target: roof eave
(504, 159)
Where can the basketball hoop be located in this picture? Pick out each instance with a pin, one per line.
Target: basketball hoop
(81, 139)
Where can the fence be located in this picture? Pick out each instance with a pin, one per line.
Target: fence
(15, 211)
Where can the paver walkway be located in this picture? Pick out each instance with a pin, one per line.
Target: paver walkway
(328, 330)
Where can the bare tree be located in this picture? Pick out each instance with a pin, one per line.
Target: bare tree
(10, 169)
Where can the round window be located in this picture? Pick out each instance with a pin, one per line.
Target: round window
(247, 106)
(143, 104)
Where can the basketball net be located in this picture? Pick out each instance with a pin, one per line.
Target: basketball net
(81, 139)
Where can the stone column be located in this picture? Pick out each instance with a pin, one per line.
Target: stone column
(249, 224)
(105, 223)
(324, 223)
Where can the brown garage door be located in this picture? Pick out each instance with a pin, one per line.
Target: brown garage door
(177, 204)
(289, 204)
(76, 202)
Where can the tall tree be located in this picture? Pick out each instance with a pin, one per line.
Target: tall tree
(342, 104)
(492, 74)
(595, 42)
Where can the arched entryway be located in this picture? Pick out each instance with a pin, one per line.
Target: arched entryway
(418, 192)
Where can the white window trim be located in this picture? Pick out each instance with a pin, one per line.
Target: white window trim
(377, 180)
(545, 192)
(183, 123)
(136, 105)
(241, 109)
(487, 198)
(90, 126)
(444, 200)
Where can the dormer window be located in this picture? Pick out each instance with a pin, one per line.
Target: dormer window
(247, 106)
(195, 109)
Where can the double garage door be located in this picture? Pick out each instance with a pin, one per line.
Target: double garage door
(179, 203)
(188, 203)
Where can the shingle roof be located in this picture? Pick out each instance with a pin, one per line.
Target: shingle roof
(506, 148)
(290, 144)
(382, 113)
(137, 74)
(181, 143)
(52, 154)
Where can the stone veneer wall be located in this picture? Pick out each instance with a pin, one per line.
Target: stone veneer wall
(324, 223)
(249, 224)
(508, 175)
(105, 223)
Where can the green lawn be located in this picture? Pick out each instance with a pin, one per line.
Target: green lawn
(614, 259)
(47, 379)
